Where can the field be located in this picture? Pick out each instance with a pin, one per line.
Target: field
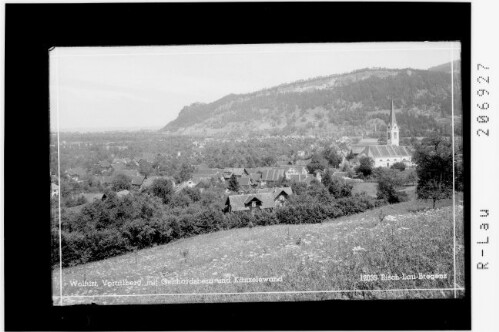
(370, 188)
(294, 262)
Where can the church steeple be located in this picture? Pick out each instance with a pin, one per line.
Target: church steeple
(393, 120)
(393, 129)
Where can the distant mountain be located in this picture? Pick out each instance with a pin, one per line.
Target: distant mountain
(446, 67)
(345, 104)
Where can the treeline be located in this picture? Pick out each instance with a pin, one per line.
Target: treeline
(114, 226)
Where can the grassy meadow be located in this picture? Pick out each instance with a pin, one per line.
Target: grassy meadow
(304, 262)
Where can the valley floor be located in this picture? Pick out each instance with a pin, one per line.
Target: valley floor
(354, 257)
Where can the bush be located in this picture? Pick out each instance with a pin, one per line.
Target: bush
(387, 182)
(399, 166)
(138, 233)
(340, 188)
(75, 249)
(116, 226)
(366, 166)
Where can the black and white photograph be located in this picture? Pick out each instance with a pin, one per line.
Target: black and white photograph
(256, 173)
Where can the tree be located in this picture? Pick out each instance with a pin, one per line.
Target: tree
(163, 189)
(121, 182)
(398, 165)
(411, 177)
(350, 156)
(332, 156)
(434, 169)
(388, 180)
(339, 188)
(185, 173)
(366, 166)
(299, 188)
(316, 163)
(145, 168)
(327, 178)
(382, 140)
(269, 161)
(233, 184)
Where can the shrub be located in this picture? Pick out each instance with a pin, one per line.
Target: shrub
(340, 188)
(388, 181)
(265, 218)
(399, 166)
(138, 233)
(106, 243)
(75, 249)
(366, 166)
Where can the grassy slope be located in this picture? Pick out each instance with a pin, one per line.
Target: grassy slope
(311, 257)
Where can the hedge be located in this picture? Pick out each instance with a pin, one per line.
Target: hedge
(147, 229)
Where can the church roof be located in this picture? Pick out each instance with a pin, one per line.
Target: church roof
(387, 151)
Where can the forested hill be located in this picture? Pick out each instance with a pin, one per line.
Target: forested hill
(347, 104)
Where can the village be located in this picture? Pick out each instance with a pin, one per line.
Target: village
(246, 188)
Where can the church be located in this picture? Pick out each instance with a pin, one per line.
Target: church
(389, 154)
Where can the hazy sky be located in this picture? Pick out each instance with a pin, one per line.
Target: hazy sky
(101, 88)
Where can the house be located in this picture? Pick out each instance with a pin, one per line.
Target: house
(149, 157)
(238, 172)
(118, 165)
(90, 197)
(245, 182)
(54, 190)
(206, 174)
(272, 175)
(303, 162)
(137, 181)
(122, 193)
(131, 173)
(104, 164)
(105, 180)
(256, 178)
(302, 178)
(281, 195)
(76, 174)
(283, 160)
(295, 170)
(119, 194)
(249, 202)
(266, 198)
(185, 184)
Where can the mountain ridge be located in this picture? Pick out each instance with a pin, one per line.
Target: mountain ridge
(351, 103)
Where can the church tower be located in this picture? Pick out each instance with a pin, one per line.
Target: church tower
(393, 129)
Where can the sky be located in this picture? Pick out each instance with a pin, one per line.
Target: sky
(120, 88)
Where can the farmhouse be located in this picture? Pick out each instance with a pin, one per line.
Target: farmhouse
(137, 181)
(206, 174)
(131, 173)
(90, 197)
(249, 202)
(302, 178)
(185, 184)
(295, 170)
(266, 198)
(245, 182)
(386, 155)
(76, 174)
(238, 172)
(271, 175)
(54, 190)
